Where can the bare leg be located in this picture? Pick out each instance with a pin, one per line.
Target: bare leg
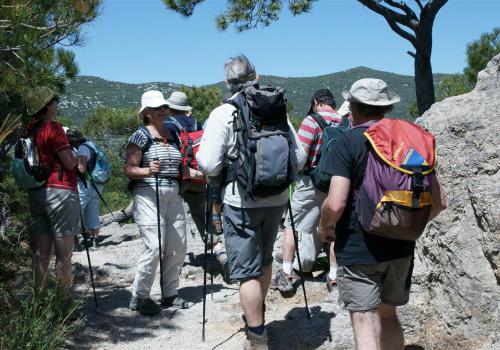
(251, 298)
(64, 251)
(367, 328)
(392, 337)
(288, 245)
(331, 255)
(95, 233)
(41, 259)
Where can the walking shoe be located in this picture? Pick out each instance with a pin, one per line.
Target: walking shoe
(146, 307)
(330, 283)
(175, 301)
(256, 341)
(283, 282)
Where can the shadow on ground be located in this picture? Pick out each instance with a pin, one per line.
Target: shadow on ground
(113, 322)
(297, 332)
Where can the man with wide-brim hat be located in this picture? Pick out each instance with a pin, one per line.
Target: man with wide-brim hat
(374, 272)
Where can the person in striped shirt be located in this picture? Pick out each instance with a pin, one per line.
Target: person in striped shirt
(153, 155)
(306, 202)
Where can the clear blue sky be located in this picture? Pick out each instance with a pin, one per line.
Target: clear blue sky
(139, 41)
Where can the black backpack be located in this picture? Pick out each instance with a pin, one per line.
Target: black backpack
(264, 165)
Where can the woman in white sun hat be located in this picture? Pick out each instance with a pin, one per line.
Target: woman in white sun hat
(153, 155)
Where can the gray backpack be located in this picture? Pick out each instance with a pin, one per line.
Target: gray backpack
(264, 165)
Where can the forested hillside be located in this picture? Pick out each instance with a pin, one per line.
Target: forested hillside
(85, 93)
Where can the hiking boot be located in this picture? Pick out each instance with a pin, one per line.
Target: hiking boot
(279, 257)
(176, 302)
(330, 283)
(256, 341)
(283, 282)
(146, 307)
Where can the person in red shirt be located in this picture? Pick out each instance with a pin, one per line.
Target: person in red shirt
(54, 207)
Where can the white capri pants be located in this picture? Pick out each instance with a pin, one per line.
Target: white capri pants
(173, 234)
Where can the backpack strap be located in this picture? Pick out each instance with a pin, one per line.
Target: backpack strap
(320, 120)
(149, 141)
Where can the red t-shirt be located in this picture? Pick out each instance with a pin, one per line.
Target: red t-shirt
(51, 139)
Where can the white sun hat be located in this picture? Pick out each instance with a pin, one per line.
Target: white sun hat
(179, 101)
(371, 91)
(152, 99)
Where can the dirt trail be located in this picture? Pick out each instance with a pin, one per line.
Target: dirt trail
(114, 326)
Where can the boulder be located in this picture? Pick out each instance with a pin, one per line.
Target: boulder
(455, 297)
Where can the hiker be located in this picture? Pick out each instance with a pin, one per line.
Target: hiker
(89, 199)
(306, 202)
(153, 161)
(54, 207)
(252, 211)
(181, 120)
(374, 273)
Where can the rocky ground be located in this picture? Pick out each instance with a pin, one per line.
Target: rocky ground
(113, 326)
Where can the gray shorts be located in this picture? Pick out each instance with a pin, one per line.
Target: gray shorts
(365, 287)
(54, 211)
(250, 234)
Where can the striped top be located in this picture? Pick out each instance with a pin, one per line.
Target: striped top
(310, 135)
(166, 152)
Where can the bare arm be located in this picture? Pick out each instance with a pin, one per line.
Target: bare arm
(67, 158)
(133, 161)
(82, 164)
(333, 207)
(438, 198)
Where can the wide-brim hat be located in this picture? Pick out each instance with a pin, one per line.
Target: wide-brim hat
(371, 91)
(178, 100)
(152, 99)
(38, 98)
(317, 96)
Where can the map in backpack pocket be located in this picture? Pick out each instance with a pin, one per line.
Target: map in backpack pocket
(412, 157)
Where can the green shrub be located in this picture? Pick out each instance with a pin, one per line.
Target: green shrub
(40, 321)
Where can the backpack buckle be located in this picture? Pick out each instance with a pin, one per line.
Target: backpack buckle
(417, 186)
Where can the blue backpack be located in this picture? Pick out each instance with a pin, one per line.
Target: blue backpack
(100, 168)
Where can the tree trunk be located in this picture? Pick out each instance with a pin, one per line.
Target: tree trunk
(118, 216)
(424, 80)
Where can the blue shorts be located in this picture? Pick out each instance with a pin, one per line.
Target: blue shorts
(249, 236)
(89, 202)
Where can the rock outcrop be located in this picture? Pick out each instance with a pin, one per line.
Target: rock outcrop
(456, 284)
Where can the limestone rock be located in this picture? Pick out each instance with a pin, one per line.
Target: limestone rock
(456, 285)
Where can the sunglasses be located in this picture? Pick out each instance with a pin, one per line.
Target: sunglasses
(164, 108)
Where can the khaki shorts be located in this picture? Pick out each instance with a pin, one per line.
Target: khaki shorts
(54, 211)
(365, 287)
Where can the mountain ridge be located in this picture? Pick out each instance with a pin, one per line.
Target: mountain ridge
(85, 93)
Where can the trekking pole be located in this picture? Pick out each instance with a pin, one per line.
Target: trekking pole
(296, 241)
(205, 269)
(209, 221)
(85, 243)
(159, 229)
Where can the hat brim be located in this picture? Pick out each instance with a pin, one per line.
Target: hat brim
(153, 105)
(178, 107)
(393, 98)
